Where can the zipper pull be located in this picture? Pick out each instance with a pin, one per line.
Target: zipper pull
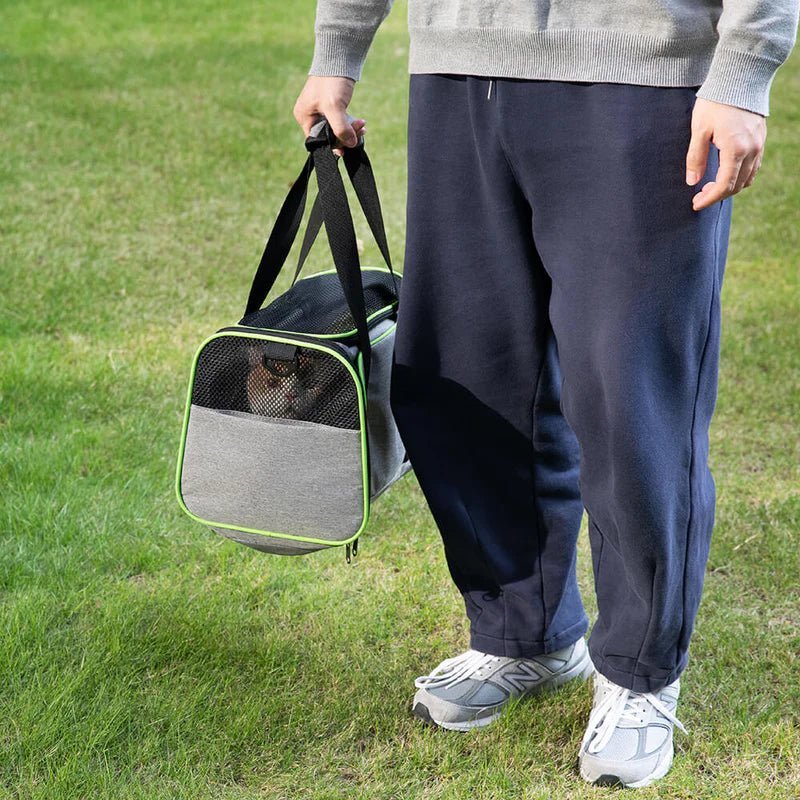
(350, 551)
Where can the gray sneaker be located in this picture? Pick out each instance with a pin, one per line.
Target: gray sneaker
(471, 690)
(628, 740)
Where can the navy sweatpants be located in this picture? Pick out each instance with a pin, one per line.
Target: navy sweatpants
(557, 348)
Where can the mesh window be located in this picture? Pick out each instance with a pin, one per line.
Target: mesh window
(317, 304)
(236, 373)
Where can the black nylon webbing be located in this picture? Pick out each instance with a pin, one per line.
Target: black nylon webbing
(280, 239)
(359, 168)
(313, 226)
(332, 209)
(342, 240)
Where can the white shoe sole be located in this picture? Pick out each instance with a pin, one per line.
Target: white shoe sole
(583, 670)
(607, 779)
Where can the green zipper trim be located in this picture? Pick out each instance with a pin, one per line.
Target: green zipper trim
(363, 269)
(343, 335)
(358, 378)
(386, 333)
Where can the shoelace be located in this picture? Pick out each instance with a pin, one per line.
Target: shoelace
(620, 704)
(454, 670)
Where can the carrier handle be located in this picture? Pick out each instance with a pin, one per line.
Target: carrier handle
(341, 233)
(359, 168)
(280, 239)
(362, 176)
(335, 212)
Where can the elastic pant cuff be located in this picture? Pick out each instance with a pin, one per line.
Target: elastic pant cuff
(522, 648)
(633, 678)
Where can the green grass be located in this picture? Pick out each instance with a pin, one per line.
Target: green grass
(144, 148)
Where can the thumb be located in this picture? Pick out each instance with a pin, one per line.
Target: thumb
(342, 127)
(697, 156)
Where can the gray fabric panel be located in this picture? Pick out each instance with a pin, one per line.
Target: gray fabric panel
(290, 477)
(270, 544)
(386, 449)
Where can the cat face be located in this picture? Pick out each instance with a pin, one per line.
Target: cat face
(272, 386)
(288, 389)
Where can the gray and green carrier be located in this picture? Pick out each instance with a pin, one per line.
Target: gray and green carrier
(288, 433)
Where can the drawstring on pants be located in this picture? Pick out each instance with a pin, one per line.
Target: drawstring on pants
(489, 93)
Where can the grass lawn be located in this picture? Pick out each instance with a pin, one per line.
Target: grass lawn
(144, 149)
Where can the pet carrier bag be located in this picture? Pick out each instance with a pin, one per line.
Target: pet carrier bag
(288, 434)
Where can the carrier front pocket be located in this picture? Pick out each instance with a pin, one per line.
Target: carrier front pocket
(241, 469)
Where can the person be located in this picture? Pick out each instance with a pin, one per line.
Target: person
(570, 173)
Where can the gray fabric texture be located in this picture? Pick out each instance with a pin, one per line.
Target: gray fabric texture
(270, 544)
(291, 477)
(730, 48)
(386, 450)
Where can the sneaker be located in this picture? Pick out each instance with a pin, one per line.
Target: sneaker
(628, 740)
(471, 690)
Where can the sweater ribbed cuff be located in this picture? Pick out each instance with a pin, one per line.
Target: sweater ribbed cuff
(740, 79)
(339, 54)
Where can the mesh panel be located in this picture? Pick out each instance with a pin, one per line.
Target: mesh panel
(317, 304)
(236, 373)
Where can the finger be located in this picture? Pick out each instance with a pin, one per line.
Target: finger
(310, 121)
(745, 171)
(753, 173)
(341, 126)
(697, 156)
(305, 115)
(723, 184)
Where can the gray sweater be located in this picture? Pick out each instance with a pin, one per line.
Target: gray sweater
(729, 48)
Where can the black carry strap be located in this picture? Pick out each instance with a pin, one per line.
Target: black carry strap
(312, 231)
(359, 168)
(331, 209)
(341, 235)
(280, 240)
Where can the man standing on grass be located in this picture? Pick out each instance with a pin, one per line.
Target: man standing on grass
(569, 175)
